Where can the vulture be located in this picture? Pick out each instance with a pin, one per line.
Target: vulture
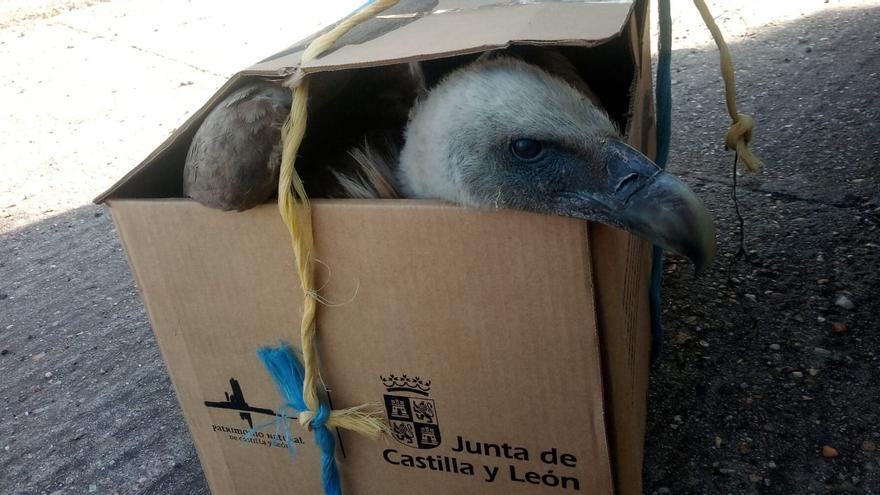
(498, 132)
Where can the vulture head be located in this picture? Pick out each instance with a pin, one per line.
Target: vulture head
(503, 133)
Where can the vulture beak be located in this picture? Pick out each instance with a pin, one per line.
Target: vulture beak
(656, 206)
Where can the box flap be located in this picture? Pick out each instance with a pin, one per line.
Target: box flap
(456, 27)
(412, 30)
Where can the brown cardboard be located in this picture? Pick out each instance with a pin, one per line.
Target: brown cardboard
(533, 330)
(505, 331)
(455, 27)
(623, 309)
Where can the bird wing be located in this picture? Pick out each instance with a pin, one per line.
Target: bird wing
(234, 157)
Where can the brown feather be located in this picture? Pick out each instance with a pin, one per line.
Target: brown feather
(372, 178)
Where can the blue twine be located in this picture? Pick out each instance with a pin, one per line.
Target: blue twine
(282, 427)
(368, 2)
(664, 135)
(287, 372)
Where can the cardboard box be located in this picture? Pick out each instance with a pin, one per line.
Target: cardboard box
(510, 350)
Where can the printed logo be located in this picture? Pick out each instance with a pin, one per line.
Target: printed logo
(281, 438)
(236, 402)
(411, 414)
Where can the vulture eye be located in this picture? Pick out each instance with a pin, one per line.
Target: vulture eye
(526, 149)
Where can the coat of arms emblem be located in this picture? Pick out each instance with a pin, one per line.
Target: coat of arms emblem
(411, 414)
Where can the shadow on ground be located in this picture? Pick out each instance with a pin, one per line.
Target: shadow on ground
(87, 404)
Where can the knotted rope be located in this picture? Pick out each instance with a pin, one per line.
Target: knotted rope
(740, 132)
(737, 138)
(288, 374)
(299, 383)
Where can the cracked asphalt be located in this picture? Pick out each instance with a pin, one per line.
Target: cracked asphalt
(771, 359)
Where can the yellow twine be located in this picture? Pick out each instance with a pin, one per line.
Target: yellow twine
(740, 132)
(297, 215)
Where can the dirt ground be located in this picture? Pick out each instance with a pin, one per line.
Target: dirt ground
(773, 357)
(769, 358)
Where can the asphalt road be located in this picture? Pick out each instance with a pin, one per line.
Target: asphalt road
(756, 378)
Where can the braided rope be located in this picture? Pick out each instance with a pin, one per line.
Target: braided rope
(293, 204)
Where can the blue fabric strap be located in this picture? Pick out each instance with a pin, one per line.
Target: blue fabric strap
(664, 135)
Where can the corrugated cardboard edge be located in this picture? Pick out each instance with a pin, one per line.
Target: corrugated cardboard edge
(624, 318)
(501, 24)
